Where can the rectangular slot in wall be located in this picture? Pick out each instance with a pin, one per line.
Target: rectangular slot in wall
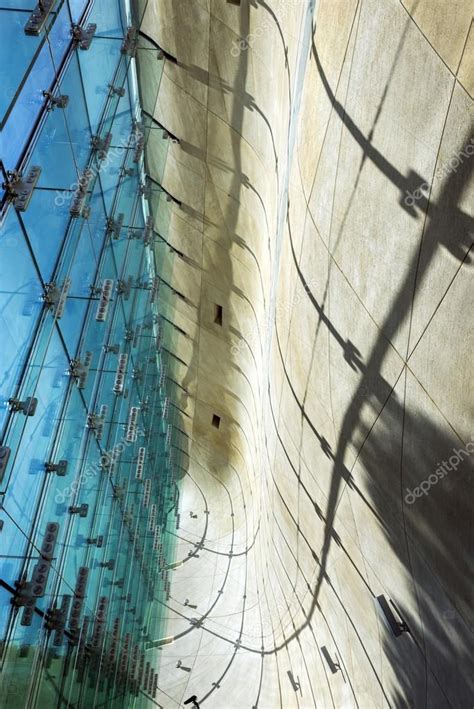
(216, 421)
(218, 314)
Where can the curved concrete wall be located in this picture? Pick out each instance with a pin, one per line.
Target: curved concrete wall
(325, 175)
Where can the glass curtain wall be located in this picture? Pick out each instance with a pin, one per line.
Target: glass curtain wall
(89, 450)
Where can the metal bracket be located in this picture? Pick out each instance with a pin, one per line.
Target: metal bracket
(132, 424)
(144, 190)
(27, 407)
(80, 510)
(78, 600)
(130, 42)
(60, 101)
(38, 17)
(105, 298)
(83, 36)
(120, 374)
(155, 287)
(99, 420)
(28, 591)
(92, 421)
(143, 285)
(114, 226)
(114, 349)
(55, 297)
(163, 54)
(97, 541)
(138, 152)
(60, 468)
(148, 231)
(56, 619)
(137, 374)
(24, 598)
(102, 145)
(80, 370)
(22, 592)
(140, 463)
(124, 287)
(137, 140)
(163, 376)
(77, 206)
(117, 90)
(49, 541)
(20, 189)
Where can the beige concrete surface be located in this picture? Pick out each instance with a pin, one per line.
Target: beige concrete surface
(325, 176)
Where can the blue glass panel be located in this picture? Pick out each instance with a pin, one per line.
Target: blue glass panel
(119, 248)
(32, 449)
(54, 155)
(98, 67)
(14, 542)
(118, 118)
(69, 327)
(20, 306)
(16, 670)
(107, 16)
(68, 447)
(46, 221)
(127, 191)
(59, 36)
(19, 125)
(76, 8)
(77, 119)
(86, 261)
(93, 340)
(108, 265)
(16, 53)
(96, 223)
(20, 5)
(109, 170)
(122, 113)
